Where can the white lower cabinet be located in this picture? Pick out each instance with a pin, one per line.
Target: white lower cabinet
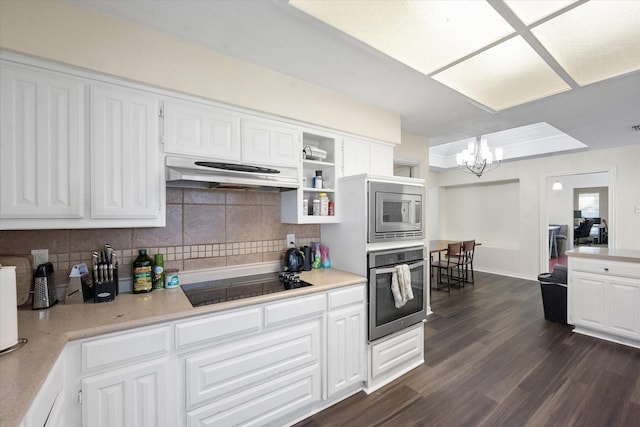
(47, 408)
(267, 364)
(395, 355)
(604, 299)
(256, 380)
(131, 396)
(346, 340)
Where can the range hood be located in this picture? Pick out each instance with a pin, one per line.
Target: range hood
(202, 173)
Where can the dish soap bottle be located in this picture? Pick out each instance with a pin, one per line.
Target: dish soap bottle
(142, 273)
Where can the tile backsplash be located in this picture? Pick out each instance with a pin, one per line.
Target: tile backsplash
(205, 229)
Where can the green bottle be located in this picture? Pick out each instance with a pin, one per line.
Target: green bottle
(142, 273)
(158, 272)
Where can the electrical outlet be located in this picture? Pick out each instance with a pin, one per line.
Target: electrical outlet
(291, 240)
(40, 256)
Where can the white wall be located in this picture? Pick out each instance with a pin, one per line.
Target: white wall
(524, 259)
(71, 34)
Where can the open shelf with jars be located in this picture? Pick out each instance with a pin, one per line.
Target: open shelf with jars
(320, 156)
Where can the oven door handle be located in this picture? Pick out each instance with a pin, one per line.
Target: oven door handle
(392, 269)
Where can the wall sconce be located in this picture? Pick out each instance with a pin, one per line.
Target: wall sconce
(557, 186)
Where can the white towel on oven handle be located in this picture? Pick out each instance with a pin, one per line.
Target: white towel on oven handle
(405, 284)
(396, 290)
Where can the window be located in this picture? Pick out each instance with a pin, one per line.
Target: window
(589, 204)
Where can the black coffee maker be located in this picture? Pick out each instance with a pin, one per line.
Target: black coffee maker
(309, 256)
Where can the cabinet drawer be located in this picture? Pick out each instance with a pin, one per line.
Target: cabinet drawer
(219, 325)
(601, 266)
(239, 365)
(346, 296)
(125, 348)
(296, 308)
(396, 352)
(264, 404)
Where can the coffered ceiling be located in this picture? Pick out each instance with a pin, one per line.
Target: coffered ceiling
(453, 69)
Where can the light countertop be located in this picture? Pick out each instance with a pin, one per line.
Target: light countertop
(597, 252)
(23, 371)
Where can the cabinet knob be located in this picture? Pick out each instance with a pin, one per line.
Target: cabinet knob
(606, 269)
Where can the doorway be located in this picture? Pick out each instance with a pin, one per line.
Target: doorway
(561, 213)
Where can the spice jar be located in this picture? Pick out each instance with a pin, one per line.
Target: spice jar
(324, 204)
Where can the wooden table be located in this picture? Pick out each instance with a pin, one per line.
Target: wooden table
(439, 245)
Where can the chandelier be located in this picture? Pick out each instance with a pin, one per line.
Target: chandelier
(478, 159)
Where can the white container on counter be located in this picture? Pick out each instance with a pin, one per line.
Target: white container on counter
(8, 308)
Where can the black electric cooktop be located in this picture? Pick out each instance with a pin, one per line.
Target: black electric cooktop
(216, 291)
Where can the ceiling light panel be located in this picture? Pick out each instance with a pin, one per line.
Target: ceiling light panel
(531, 11)
(508, 74)
(524, 141)
(425, 35)
(596, 40)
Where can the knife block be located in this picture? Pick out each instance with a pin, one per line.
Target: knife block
(104, 291)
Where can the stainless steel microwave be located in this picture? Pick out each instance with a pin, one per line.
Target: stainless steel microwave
(395, 212)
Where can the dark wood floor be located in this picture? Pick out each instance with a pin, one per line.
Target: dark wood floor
(491, 359)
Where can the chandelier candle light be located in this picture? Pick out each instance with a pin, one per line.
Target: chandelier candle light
(478, 159)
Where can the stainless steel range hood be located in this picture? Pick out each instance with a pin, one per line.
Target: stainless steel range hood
(201, 173)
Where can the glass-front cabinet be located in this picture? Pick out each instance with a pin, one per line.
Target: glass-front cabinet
(319, 175)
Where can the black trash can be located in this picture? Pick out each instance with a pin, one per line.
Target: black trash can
(554, 294)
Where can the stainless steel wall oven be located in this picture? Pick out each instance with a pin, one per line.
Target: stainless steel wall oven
(384, 317)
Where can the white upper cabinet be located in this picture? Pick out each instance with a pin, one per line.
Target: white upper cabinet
(266, 142)
(41, 144)
(362, 156)
(292, 202)
(201, 130)
(126, 166)
(381, 159)
(355, 156)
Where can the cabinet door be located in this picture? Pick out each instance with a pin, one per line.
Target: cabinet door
(41, 144)
(588, 294)
(623, 297)
(132, 396)
(126, 167)
(381, 159)
(345, 341)
(47, 408)
(202, 131)
(270, 144)
(355, 156)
